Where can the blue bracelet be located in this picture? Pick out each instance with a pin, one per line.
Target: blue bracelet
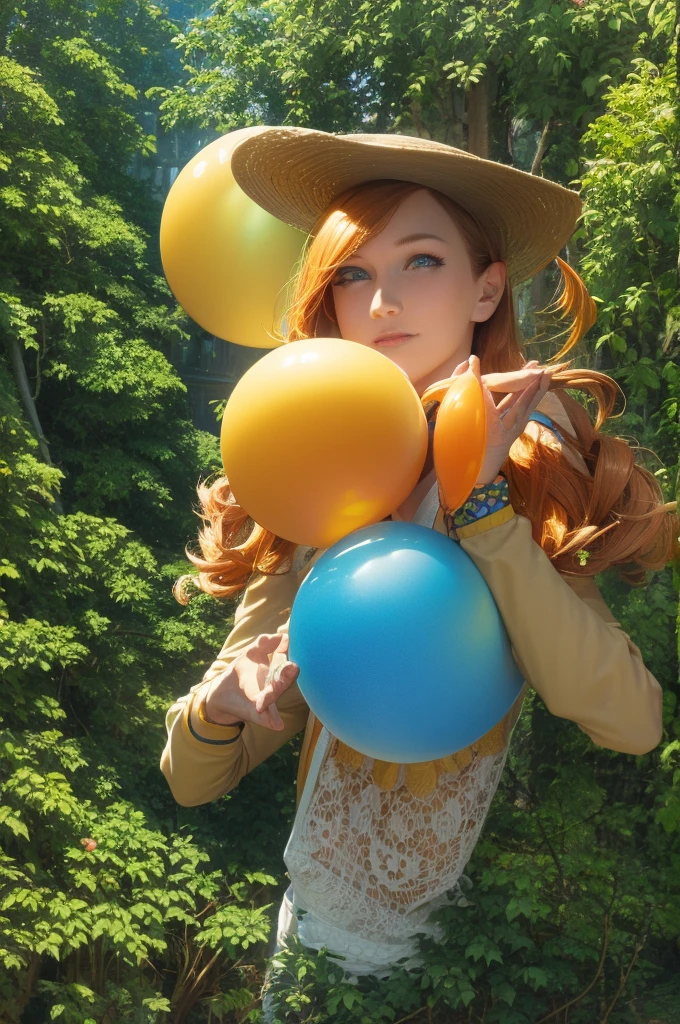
(482, 502)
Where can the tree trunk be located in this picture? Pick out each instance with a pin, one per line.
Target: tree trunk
(540, 286)
(29, 405)
(26, 990)
(477, 103)
(418, 124)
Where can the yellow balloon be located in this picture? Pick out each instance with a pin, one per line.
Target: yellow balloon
(227, 261)
(321, 437)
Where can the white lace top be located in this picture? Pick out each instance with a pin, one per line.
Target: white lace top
(368, 866)
(369, 863)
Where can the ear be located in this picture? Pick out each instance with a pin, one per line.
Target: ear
(491, 284)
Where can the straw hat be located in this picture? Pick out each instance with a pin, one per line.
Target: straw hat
(294, 173)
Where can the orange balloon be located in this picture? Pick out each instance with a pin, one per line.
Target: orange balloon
(459, 439)
(321, 437)
(227, 261)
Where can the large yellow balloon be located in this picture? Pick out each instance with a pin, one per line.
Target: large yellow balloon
(227, 261)
(322, 437)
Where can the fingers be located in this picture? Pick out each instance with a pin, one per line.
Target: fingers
(513, 400)
(277, 681)
(532, 396)
(275, 720)
(515, 409)
(249, 688)
(435, 392)
(283, 646)
(507, 403)
(265, 645)
(528, 398)
(518, 380)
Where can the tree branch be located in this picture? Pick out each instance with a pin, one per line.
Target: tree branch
(29, 405)
(542, 146)
(586, 990)
(624, 981)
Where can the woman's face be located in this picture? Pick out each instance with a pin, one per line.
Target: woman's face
(410, 292)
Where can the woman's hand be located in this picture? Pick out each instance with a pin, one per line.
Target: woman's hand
(506, 421)
(250, 687)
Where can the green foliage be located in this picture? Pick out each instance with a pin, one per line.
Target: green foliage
(631, 186)
(389, 65)
(109, 909)
(94, 320)
(101, 635)
(141, 899)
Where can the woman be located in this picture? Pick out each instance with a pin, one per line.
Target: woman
(414, 249)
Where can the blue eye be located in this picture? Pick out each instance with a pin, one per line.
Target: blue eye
(347, 274)
(425, 259)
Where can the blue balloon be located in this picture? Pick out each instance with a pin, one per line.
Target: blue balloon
(402, 652)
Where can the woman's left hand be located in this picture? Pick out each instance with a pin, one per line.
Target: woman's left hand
(523, 389)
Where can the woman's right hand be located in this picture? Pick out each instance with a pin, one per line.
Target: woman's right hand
(248, 690)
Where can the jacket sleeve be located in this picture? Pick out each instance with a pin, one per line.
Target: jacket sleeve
(565, 639)
(202, 761)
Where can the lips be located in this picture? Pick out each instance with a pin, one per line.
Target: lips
(393, 338)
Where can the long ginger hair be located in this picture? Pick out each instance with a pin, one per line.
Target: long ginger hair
(616, 513)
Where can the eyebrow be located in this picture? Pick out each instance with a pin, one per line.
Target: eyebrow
(417, 237)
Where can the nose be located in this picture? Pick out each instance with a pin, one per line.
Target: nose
(384, 304)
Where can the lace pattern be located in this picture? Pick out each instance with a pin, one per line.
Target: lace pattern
(373, 863)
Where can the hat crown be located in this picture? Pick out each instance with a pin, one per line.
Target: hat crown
(404, 142)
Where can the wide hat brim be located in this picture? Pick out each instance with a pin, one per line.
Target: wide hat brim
(295, 173)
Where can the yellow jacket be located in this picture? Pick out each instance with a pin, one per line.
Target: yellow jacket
(565, 641)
